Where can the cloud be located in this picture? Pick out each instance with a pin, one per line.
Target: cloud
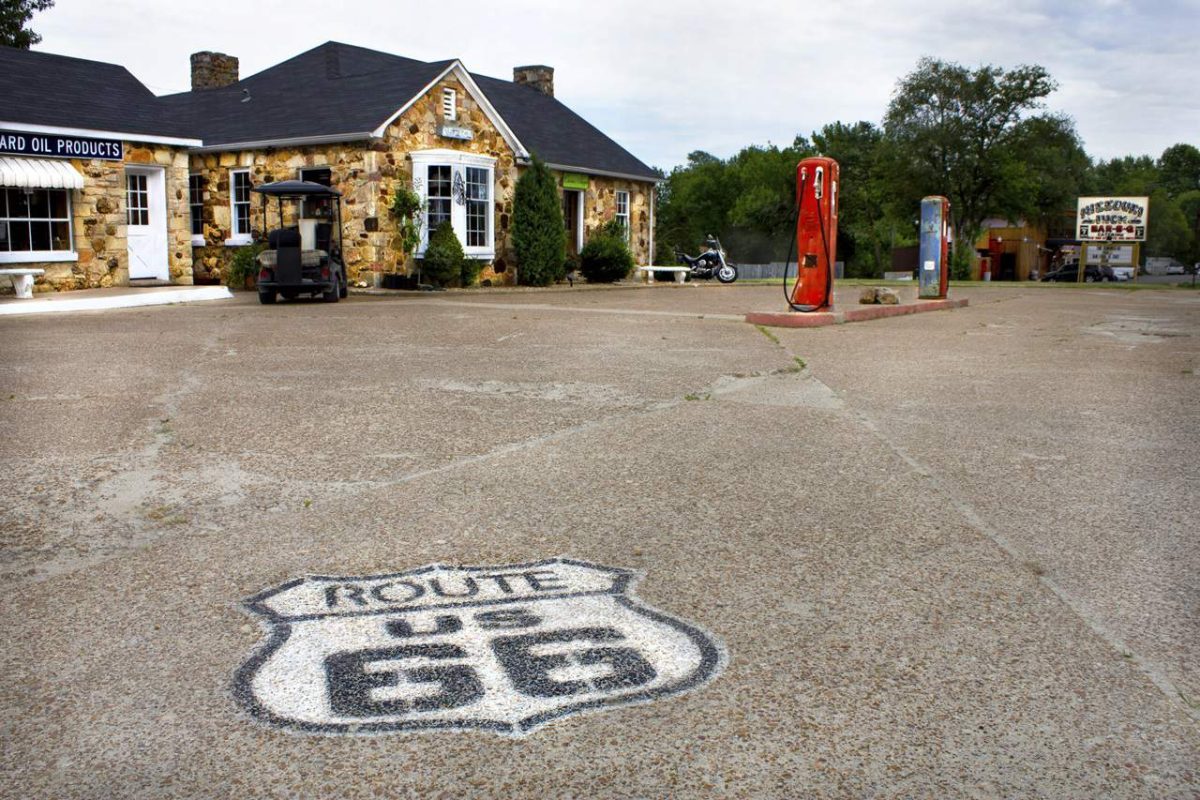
(666, 78)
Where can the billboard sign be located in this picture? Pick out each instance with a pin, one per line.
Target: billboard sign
(1111, 219)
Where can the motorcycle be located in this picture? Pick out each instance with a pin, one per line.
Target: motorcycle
(709, 264)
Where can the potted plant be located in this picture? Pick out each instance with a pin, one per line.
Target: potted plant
(406, 210)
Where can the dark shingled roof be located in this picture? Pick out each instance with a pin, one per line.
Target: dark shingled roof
(47, 89)
(556, 133)
(330, 91)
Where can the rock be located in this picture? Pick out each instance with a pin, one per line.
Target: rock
(879, 295)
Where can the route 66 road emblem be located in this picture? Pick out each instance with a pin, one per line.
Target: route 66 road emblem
(505, 649)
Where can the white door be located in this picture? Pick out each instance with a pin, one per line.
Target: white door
(146, 218)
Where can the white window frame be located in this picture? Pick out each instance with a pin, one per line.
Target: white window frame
(238, 238)
(626, 217)
(449, 104)
(197, 238)
(42, 256)
(458, 162)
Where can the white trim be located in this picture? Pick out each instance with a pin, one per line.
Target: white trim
(295, 141)
(239, 241)
(197, 238)
(237, 237)
(652, 200)
(26, 256)
(581, 198)
(34, 256)
(600, 172)
(442, 155)
(61, 302)
(627, 216)
(456, 160)
(133, 137)
(148, 245)
(473, 89)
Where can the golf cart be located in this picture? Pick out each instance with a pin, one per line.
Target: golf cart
(303, 259)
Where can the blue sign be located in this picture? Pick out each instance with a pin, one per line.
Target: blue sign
(24, 143)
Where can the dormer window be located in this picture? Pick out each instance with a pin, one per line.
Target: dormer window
(449, 105)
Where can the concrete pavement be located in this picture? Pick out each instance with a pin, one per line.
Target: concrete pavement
(949, 555)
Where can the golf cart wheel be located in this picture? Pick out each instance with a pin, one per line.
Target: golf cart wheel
(1088, 279)
(266, 298)
(344, 288)
(727, 273)
(333, 294)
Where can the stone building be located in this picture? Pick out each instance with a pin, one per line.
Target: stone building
(93, 177)
(359, 120)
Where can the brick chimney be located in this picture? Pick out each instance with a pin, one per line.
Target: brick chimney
(213, 70)
(539, 76)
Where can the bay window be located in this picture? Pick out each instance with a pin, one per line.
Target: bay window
(457, 187)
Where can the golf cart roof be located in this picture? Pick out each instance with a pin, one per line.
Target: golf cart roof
(295, 189)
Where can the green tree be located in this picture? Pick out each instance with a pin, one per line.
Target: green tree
(14, 14)
(1179, 169)
(958, 132)
(539, 237)
(865, 221)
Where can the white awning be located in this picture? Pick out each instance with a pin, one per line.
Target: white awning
(38, 173)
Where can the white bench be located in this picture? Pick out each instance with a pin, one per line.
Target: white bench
(680, 272)
(22, 280)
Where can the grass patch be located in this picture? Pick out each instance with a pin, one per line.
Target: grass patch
(693, 397)
(767, 333)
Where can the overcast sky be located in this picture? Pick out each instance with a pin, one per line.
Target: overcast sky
(666, 77)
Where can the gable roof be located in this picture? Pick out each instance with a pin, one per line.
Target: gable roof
(333, 92)
(338, 90)
(330, 92)
(89, 95)
(558, 135)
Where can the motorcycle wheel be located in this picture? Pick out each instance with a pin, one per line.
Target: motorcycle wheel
(727, 273)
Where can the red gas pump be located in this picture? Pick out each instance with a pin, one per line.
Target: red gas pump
(816, 234)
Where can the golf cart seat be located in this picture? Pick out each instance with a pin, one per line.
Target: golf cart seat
(286, 244)
(283, 237)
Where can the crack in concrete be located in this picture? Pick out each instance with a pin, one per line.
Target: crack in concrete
(974, 520)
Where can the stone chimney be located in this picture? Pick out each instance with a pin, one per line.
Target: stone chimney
(213, 70)
(539, 76)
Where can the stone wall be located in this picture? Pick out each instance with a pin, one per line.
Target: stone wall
(368, 172)
(600, 206)
(98, 223)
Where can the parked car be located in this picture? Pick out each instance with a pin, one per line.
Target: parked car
(1069, 273)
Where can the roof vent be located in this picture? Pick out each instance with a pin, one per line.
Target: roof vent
(538, 76)
(213, 70)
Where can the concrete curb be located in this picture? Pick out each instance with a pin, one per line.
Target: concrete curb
(818, 319)
(136, 298)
